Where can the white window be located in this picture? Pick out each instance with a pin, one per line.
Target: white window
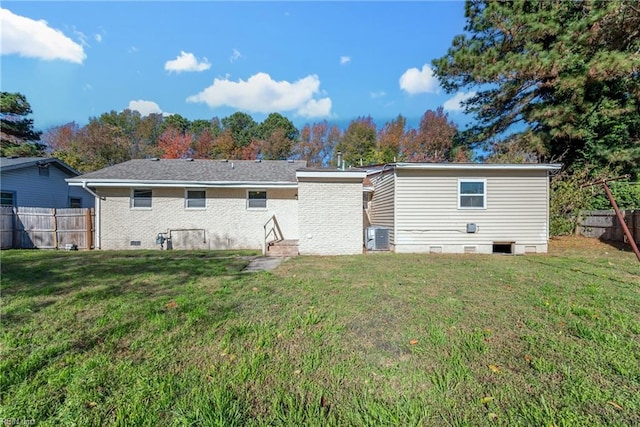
(472, 194)
(196, 199)
(7, 198)
(256, 199)
(141, 198)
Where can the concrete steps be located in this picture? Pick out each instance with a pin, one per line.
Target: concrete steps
(283, 248)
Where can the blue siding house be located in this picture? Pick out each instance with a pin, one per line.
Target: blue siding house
(40, 182)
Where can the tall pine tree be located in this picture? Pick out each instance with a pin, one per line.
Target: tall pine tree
(17, 136)
(562, 78)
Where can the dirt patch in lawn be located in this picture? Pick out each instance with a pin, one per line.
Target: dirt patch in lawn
(563, 244)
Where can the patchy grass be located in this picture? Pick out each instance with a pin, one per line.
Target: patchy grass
(181, 338)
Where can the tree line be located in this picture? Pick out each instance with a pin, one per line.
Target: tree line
(546, 81)
(116, 137)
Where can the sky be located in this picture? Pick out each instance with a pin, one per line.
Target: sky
(309, 61)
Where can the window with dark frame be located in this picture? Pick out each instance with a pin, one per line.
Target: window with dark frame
(75, 202)
(141, 199)
(256, 199)
(196, 199)
(472, 194)
(7, 198)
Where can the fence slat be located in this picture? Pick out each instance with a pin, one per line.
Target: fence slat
(45, 228)
(604, 225)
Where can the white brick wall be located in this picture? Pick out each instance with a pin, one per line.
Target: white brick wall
(226, 221)
(331, 220)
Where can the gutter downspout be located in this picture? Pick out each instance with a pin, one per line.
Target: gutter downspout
(98, 208)
(90, 191)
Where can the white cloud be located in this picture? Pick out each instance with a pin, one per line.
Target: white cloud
(345, 60)
(82, 37)
(235, 55)
(380, 94)
(35, 39)
(98, 38)
(146, 107)
(187, 62)
(316, 108)
(455, 104)
(415, 81)
(133, 49)
(261, 94)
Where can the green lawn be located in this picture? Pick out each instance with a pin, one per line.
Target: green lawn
(182, 338)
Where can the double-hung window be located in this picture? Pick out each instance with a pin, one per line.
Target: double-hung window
(256, 199)
(141, 198)
(196, 199)
(472, 193)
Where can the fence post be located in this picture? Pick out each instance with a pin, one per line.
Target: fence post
(17, 238)
(89, 228)
(55, 228)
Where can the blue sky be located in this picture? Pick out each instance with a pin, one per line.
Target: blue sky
(309, 61)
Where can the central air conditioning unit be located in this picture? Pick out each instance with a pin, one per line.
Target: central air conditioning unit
(376, 238)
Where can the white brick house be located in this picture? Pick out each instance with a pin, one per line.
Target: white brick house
(243, 204)
(216, 204)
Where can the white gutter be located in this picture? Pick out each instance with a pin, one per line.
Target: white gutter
(478, 166)
(332, 174)
(90, 191)
(183, 184)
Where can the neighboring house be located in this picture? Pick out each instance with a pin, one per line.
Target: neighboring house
(462, 207)
(233, 204)
(226, 204)
(40, 182)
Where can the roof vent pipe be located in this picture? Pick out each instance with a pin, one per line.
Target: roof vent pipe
(339, 159)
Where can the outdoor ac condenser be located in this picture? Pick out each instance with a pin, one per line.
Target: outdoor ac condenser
(376, 238)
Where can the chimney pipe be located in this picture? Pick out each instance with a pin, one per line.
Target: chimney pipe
(340, 160)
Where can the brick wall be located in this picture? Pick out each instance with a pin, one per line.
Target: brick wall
(225, 223)
(331, 220)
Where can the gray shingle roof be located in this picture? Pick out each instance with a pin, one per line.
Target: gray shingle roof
(11, 163)
(199, 171)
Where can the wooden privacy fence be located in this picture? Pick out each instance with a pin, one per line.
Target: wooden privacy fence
(604, 225)
(46, 228)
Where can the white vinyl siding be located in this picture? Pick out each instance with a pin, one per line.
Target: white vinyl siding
(141, 198)
(382, 210)
(427, 213)
(196, 199)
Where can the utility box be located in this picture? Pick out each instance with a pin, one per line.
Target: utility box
(376, 238)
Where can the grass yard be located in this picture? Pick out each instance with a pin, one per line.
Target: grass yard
(182, 338)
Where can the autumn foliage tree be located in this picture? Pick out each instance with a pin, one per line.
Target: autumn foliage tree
(174, 144)
(317, 143)
(391, 138)
(433, 140)
(359, 142)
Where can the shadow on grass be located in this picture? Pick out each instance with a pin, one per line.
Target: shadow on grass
(38, 274)
(587, 270)
(621, 246)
